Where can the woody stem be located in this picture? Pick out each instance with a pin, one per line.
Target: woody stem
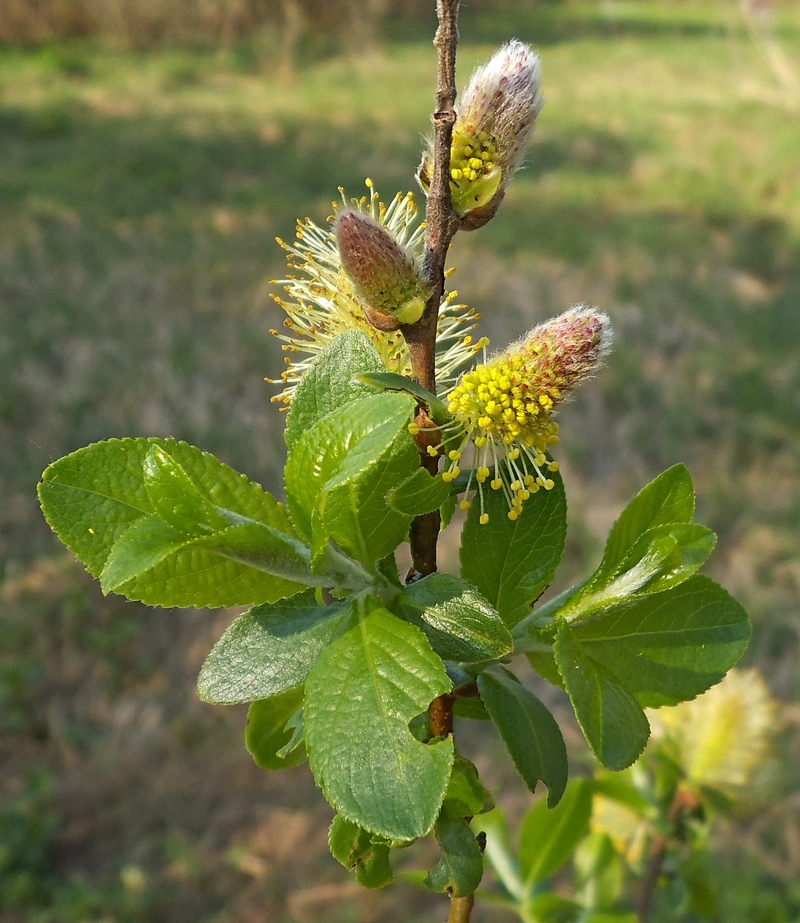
(439, 230)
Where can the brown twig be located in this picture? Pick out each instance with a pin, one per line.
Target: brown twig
(439, 230)
(421, 337)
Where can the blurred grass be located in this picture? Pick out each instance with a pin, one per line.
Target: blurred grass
(140, 194)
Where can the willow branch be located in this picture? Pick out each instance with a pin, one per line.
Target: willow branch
(439, 230)
(461, 909)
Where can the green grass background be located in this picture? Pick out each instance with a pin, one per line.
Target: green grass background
(140, 195)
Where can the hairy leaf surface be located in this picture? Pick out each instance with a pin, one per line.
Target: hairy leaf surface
(528, 729)
(360, 697)
(512, 563)
(269, 649)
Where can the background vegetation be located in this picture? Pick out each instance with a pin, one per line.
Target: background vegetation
(146, 164)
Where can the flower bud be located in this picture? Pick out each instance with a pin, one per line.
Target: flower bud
(383, 274)
(494, 122)
(321, 303)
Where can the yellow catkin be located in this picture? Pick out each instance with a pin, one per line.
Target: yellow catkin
(505, 407)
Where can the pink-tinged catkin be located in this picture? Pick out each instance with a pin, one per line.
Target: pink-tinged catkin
(383, 274)
(495, 120)
(504, 407)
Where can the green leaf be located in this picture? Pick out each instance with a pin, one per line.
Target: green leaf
(544, 662)
(470, 707)
(549, 836)
(374, 871)
(360, 697)
(143, 546)
(391, 381)
(460, 625)
(512, 563)
(663, 557)
(460, 868)
(269, 649)
(466, 795)
(618, 916)
(175, 498)
(612, 721)
(500, 854)
(529, 731)
(552, 908)
(599, 874)
(338, 474)
(420, 494)
(348, 842)
(268, 731)
(94, 496)
(621, 788)
(667, 500)
(446, 511)
(330, 382)
(150, 551)
(670, 646)
(353, 847)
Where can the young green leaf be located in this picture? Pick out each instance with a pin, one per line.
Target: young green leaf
(460, 867)
(447, 510)
(419, 494)
(667, 647)
(600, 874)
(612, 721)
(549, 836)
(175, 498)
(466, 795)
(663, 557)
(269, 649)
(151, 562)
(460, 625)
(360, 697)
(354, 848)
(330, 382)
(667, 500)
(348, 842)
(470, 707)
(530, 733)
(269, 732)
(339, 472)
(353, 508)
(374, 871)
(391, 381)
(93, 497)
(512, 562)
(548, 907)
(143, 546)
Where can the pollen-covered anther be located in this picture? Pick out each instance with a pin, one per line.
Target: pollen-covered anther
(511, 436)
(495, 118)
